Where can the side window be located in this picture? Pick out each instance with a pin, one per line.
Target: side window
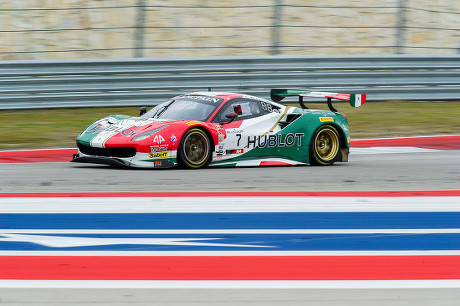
(244, 108)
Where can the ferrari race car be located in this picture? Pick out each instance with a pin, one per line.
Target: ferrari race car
(222, 130)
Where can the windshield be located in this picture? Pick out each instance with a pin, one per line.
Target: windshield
(198, 108)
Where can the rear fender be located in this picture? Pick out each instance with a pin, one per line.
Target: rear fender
(311, 122)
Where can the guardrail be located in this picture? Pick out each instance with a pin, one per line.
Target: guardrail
(135, 82)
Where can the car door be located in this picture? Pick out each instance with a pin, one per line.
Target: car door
(250, 131)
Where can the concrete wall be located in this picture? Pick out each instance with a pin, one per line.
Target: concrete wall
(66, 29)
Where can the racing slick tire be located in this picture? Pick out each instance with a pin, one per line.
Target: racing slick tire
(194, 149)
(324, 146)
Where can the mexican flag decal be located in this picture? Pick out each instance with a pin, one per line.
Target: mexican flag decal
(356, 100)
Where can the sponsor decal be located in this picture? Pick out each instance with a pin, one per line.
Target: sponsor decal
(235, 151)
(193, 122)
(128, 132)
(140, 123)
(173, 138)
(234, 131)
(114, 128)
(221, 136)
(322, 113)
(272, 141)
(158, 139)
(158, 149)
(205, 98)
(158, 164)
(220, 150)
(159, 155)
(326, 119)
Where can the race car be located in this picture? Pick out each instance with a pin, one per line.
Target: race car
(219, 129)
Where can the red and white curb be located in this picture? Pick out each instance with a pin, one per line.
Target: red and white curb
(416, 263)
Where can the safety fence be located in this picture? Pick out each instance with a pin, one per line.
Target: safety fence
(135, 82)
(44, 30)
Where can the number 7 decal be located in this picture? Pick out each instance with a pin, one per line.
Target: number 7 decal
(239, 138)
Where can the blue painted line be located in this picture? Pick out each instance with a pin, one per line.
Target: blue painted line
(253, 242)
(256, 220)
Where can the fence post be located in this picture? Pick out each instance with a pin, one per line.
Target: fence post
(401, 27)
(276, 28)
(139, 29)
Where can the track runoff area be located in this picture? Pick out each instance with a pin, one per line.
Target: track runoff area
(361, 239)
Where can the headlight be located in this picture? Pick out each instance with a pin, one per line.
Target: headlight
(148, 133)
(98, 125)
(93, 128)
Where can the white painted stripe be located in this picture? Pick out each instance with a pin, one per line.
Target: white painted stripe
(219, 284)
(227, 204)
(257, 162)
(406, 137)
(388, 150)
(238, 231)
(231, 253)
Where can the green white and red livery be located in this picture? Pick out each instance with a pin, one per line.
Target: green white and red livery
(222, 130)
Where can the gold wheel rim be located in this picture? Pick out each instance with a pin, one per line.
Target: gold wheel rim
(326, 145)
(196, 148)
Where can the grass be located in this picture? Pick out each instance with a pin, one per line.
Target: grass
(56, 128)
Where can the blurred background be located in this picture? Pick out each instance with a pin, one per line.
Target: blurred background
(94, 55)
(69, 29)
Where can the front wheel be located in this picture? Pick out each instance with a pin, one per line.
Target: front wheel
(324, 146)
(194, 149)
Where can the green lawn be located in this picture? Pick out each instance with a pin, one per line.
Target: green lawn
(56, 128)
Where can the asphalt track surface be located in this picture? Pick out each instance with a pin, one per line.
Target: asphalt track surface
(420, 170)
(376, 169)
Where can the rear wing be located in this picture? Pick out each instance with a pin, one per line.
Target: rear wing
(356, 100)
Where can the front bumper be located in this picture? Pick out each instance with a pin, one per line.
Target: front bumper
(99, 160)
(134, 162)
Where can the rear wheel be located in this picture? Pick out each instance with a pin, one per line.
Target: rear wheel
(324, 146)
(194, 149)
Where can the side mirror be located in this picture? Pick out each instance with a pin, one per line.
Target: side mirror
(142, 110)
(231, 117)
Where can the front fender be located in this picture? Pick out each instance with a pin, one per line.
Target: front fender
(212, 130)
